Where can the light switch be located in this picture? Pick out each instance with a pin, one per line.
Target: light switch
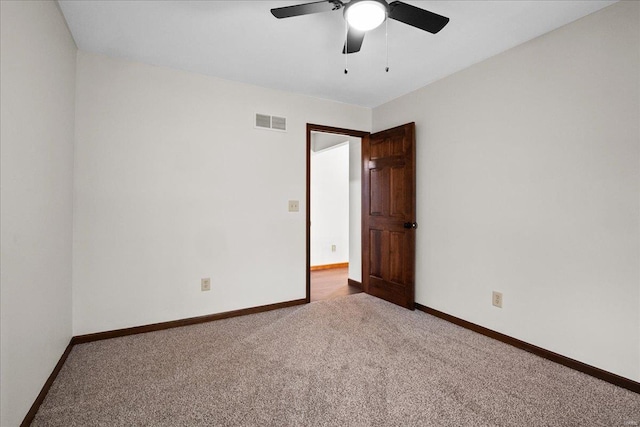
(294, 206)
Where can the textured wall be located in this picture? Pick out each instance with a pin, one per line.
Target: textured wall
(173, 183)
(528, 183)
(38, 59)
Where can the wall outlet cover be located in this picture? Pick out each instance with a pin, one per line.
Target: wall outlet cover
(497, 299)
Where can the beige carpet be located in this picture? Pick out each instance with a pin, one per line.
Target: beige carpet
(351, 361)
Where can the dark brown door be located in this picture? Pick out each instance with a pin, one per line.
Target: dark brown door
(389, 210)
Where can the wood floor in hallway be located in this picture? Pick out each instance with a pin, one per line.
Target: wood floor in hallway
(331, 283)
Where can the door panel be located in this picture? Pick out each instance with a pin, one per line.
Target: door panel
(396, 249)
(379, 192)
(376, 259)
(398, 193)
(379, 149)
(388, 203)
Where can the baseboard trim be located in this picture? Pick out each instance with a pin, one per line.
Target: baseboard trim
(538, 351)
(354, 283)
(329, 266)
(81, 339)
(28, 419)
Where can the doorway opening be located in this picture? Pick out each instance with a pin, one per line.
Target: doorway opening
(334, 169)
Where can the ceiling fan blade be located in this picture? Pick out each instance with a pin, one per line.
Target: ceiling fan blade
(306, 9)
(416, 17)
(354, 41)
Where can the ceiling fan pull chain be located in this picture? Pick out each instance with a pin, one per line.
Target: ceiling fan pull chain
(346, 46)
(386, 36)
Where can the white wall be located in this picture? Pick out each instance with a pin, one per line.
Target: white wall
(173, 184)
(330, 205)
(37, 77)
(355, 209)
(528, 182)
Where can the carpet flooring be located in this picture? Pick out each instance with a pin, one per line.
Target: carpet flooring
(351, 361)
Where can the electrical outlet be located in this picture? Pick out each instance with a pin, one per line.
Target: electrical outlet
(497, 299)
(333, 248)
(294, 206)
(205, 284)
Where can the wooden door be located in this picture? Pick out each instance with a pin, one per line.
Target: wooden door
(389, 210)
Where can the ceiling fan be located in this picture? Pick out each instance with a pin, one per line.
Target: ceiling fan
(365, 15)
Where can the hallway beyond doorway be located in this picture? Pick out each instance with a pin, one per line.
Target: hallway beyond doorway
(331, 283)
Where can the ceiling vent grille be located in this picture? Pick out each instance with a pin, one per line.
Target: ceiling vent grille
(264, 121)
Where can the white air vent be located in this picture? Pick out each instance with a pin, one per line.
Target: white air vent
(264, 121)
(279, 123)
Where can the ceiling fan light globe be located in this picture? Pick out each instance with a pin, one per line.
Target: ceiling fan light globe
(365, 15)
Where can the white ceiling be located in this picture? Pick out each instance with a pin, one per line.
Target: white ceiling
(242, 41)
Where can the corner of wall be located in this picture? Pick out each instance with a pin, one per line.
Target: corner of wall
(38, 114)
